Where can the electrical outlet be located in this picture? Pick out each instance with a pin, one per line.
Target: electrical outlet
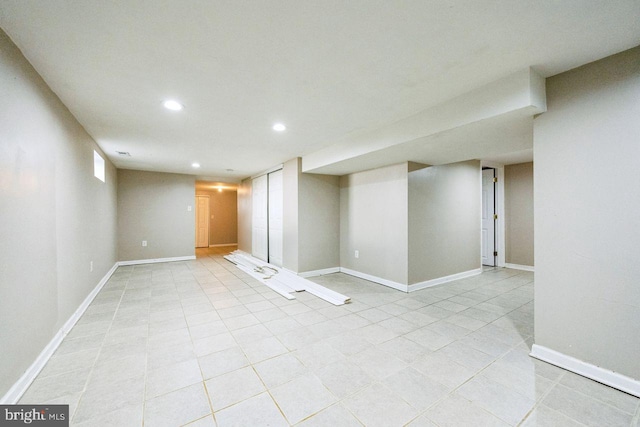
(144, 243)
(357, 254)
(189, 208)
(91, 267)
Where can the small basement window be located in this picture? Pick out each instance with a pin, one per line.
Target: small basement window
(98, 166)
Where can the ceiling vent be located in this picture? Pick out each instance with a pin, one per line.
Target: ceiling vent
(124, 153)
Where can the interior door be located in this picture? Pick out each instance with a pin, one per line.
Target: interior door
(202, 221)
(275, 218)
(488, 217)
(260, 218)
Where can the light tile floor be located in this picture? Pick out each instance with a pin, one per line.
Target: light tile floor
(203, 344)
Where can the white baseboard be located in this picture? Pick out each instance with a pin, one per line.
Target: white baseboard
(445, 279)
(519, 267)
(19, 387)
(322, 272)
(380, 280)
(596, 373)
(223, 244)
(157, 260)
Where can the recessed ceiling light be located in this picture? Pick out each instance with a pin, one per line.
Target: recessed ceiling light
(172, 105)
(279, 127)
(195, 165)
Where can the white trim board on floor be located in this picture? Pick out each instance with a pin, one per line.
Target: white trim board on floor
(218, 245)
(520, 267)
(20, 387)
(157, 260)
(596, 373)
(416, 286)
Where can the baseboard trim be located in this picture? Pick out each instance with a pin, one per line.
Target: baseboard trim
(375, 279)
(596, 373)
(20, 387)
(520, 267)
(156, 260)
(445, 279)
(321, 272)
(223, 244)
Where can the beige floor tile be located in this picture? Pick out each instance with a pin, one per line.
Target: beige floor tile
(302, 397)
(127, 416)
(377, 364)
(260, 410)
(279, 370)
(416, 389)
(172, 377)
(343, 378)
(222, 362)
(102, 400)
(334, 416)
(585, 409)
(377, 405)
(177, 408)
(233, 387)
(496, 399)
(455, 411)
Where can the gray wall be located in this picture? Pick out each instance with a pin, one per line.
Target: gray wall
(518, 209)
(291, 172)
(152, 206)
(311, 219)
(587, 226)
(223, 216)
(374, 221)
(55, 217)
(244, 216)
(444, 220)
(319, 222)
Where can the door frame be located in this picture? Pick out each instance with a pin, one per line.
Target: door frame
(499, 203)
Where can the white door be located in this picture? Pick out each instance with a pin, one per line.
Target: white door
(488, 219)
(202, 221)
(275, 218)
(260, 218)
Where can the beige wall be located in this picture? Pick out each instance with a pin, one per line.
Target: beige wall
(444, 220)
(223, 216)
(153, 206)
(244, 215)
(374, 221)
(55, 216)
(518, 209)
(587, 226)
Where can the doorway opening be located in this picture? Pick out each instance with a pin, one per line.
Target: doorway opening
(216, 214)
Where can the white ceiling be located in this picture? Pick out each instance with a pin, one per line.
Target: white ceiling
(325, 68)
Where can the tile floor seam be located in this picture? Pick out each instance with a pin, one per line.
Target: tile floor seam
(102, 344)
(195, 286)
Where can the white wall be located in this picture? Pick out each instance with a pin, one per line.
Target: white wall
(444, 220)
(587, 221)
(152, 206)
(518, 208)
(55, 217)
(374, 221)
